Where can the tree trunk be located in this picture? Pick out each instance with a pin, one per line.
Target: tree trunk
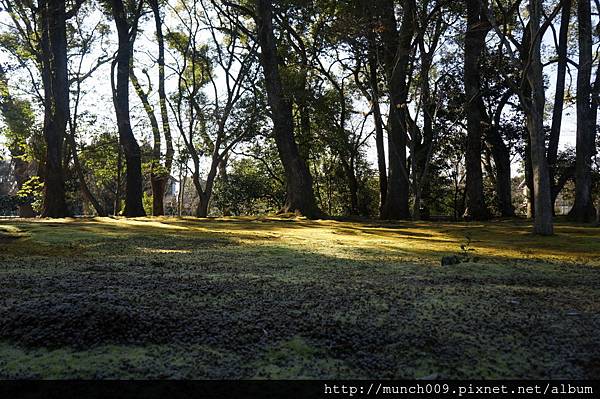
(202, 209)
(477, 30)
(352, 187)
(181, 192)
(159, 186)
(559, 96)
(530, 212)
(397, 48)
(378, 121)
(501, 156)
(535, 124)
(117, 207)
(158, 181)
(300, 196)
(133, 160)
(56, 104)
(583, 210)
(224, 178)
(422, 140)
(503, 185)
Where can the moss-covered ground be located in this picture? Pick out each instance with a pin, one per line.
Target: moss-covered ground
(287, 298)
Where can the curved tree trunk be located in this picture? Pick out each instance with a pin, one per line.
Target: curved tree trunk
(300, 195)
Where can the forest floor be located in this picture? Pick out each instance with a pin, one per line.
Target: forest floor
(287, 298)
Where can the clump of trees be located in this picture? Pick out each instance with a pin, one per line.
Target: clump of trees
(395, 109)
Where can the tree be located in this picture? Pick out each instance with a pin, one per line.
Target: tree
(503, 123)
(583, 209)
(397, 46)
(212, 123)
(559, 97)
(159, 171)
(300, 195)
(126, 31)
(530, 89)
(53, 45)
(534, 104)
(477, 30)
(78, 77)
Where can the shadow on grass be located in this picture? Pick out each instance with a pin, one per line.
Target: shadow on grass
(276, 311)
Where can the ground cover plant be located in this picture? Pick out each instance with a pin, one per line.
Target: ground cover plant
(293, 298)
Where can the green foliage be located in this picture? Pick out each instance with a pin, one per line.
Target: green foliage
(100, 160)
(8, 204)
(147, 202)
(32, 192)
(248, 190)
(19, 121)
(197, 63)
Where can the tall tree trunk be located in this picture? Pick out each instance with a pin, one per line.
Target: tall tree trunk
(535, 124)
(477, 29)
(583, 210)
(56, 93)
(133, 160)
(559, 96)
(378, 121)
(161, 180)
(397, 48)
(300, 196)
(423, 139)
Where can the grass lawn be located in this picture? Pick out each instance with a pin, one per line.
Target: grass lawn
(283, 298)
